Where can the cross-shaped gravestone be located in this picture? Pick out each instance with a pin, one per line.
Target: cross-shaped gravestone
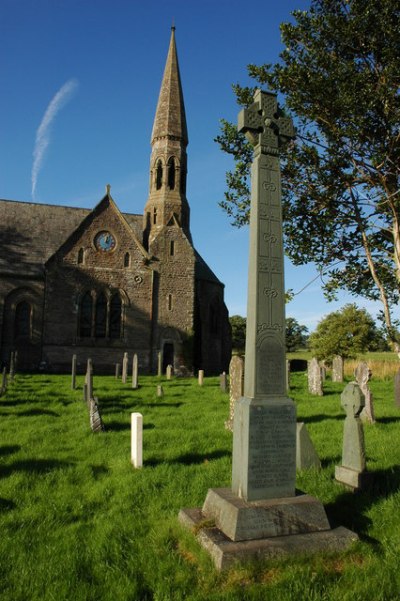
(264, 451)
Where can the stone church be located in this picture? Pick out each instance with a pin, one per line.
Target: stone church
(97, 283)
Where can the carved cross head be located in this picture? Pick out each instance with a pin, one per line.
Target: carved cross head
(264, 125)
(352, 399)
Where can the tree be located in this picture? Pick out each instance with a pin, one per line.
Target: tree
(347, 333)
(339, 78)
(238, 325)
(296, 335)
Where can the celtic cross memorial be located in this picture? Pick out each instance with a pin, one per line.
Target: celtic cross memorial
(264, 443)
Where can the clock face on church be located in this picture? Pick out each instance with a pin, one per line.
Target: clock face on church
(104, 241)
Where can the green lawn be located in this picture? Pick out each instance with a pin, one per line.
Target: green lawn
(77, 522)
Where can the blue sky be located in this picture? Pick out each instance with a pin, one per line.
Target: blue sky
(106, 59)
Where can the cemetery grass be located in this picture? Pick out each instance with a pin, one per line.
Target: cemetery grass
(77, 522)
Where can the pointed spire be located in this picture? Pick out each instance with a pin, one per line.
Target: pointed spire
(170, 119)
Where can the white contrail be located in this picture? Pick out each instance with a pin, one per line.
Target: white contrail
(43, 133)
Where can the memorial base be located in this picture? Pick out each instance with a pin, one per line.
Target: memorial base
(235, 531)
(351, 478)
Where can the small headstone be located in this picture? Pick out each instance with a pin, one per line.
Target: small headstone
(169, 372)
(397, 389)
(337, 369)
(363, 375)
(223, 383)
(137, 439)
(73, 373)
(85, 394)
(160, 391)
(306, 455)
(201, 377)
(351, 472)
(135, 372)
(96, 423)
(89, 381)
(125, 368)
(159, 364)
(117, 370)
(236, 384)
(314, 378)
(323, 372)
(12, 366)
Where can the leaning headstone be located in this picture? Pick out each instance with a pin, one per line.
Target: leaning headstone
(117, 370)
(135, 372)
(159, 364)
(236, 387)
(352, 471)
(169, 372)
(12, 366)
(96, 423)
(306, 455)
(137, 439)
(363, 375)
(223, 384)
(160, 391)
(337, 369)
(85, 394)
(201, 377)
(314, 378)
(125, 368)
(89, 381)
(397, 389)
(261, 515)
(73, 373)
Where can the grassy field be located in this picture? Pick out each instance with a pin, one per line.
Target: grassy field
(77, 522)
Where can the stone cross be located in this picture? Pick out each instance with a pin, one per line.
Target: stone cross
(264, 440)
(353, 454)
(135, 372)
(363, 375)
(73, 374)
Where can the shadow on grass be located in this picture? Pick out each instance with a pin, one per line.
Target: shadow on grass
(36, 466)
(9, 449)
(33, 412)
(331, 460)
(6, 504)
(320, 418)
(190, 458)
(387, 420)
(350, 507)
(119, 426)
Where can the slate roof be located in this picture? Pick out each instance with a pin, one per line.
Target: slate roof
(30, 233)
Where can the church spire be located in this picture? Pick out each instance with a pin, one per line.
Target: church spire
(167, 201)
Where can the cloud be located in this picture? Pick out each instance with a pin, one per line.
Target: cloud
(43, 132)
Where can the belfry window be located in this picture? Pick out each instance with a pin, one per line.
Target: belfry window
(159, 175)
(171, 173)
(127, 260)
(169, 302)
(22, 324)
(171, 248)
(154, 215)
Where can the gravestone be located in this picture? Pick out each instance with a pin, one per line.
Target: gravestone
(3, 381)
(135, 372)
(323, 372)
(12, 366)
(159, 364)
(363, 375)
(397, 389)
(352, 472)
(117, 370)
(85, 394)
(314, 377)
(125, 368)
(89, 381)
(73, 373)
(337, 369)
(201, 377)
(306, 455)
(160, 391)
(169, 372)
(223, 382)
(261, 515)
(137, 439)
(96, 423)
(236, 387)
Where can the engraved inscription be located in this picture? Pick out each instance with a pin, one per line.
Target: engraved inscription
(269, 186)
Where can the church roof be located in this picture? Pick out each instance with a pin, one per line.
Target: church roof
(170, 119)
(203, 272)
(31, 233)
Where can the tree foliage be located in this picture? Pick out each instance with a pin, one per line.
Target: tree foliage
(238, 325)
(296, 334)
(339, 77)
(348, 333)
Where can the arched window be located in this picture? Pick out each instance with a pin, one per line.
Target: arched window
(171, 248)
(154, 215)
(127, 260)
(85, 317)
(171, 173)
(80, 256)
(101, 317)
(115, 316)
(22, 324)
(159, 175)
